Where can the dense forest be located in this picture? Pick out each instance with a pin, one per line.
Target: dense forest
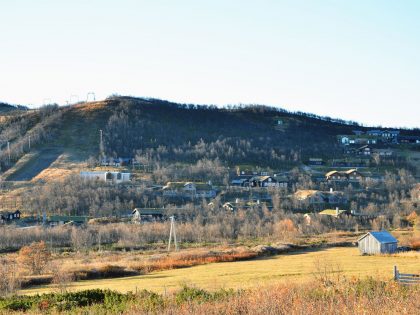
(161, 131)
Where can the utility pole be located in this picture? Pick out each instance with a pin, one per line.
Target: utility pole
(172, 234)
(90, 94)
(101, 143)
(29, 141)
(8, 150)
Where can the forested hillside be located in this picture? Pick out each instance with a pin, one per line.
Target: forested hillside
(157, 131)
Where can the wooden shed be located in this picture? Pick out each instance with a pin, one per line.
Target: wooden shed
(377, 243)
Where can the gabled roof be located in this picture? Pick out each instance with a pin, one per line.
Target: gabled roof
(382, 237)
(149, 211)
(303, 194)
(350, 171)
(332, 212)
(331, 173)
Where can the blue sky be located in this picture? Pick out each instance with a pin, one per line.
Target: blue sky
(352, 59)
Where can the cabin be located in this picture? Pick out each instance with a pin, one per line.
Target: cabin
(6, 217)
(54, 220)
(319, 197)
(357, 139)
(117, 162)
(146, 214)
(364, 150)
(241, 181)
(109, 177)
(310, 196)
(336, 213)
(341, 176)
(409, 139)
(383, 152)
(316, 161)
(189, 190)
(263, 181)
(241, 204)
(373, 243)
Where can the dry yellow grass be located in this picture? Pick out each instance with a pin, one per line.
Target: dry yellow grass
(295, 267)
(90, 106)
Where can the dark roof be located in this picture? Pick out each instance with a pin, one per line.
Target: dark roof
(382, 237)
(149, 211)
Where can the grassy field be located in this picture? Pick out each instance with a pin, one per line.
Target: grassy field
(292, 267)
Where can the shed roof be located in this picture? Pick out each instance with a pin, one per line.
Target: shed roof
(382, 237)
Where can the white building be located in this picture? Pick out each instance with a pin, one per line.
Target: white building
(113, 177)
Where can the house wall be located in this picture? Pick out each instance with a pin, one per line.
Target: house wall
(388, 248)
(369, 245)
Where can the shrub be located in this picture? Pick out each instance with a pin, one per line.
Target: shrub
(34, 257)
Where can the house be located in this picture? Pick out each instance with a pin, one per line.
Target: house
(364, 150)
(189, 190)
(263, 181)
(113, 177)
(377, 243)
(343, 139)
(117, 162)
(384, 135)
(320, 197)
(204, 190)
(342, 176)
(390, 134)
(383, 152)
(334, 212)
(334, 197)
(310, 196)
(315, 161)
(65, 219)
(375, 133)
(282, 181)
(9, 216)
(409, 139)
(358, 132)
(241, 204)
(357, 139)
(146, 214)
(241, 181)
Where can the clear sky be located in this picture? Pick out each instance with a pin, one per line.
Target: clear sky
(354, 59)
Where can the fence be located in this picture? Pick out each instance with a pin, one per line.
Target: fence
(406, 278)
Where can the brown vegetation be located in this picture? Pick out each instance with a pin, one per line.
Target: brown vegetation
(34, 257)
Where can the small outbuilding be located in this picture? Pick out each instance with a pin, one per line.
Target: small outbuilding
(377, 243)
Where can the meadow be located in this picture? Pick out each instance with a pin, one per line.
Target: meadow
(295, 267)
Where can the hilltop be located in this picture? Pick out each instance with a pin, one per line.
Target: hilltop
(166, 132)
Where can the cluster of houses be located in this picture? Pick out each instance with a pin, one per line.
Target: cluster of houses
(377, 136)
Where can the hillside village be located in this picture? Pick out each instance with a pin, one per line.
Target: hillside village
(132, 199)
(212, 157)
(342, 187)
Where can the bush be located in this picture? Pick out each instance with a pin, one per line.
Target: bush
(34, 257)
